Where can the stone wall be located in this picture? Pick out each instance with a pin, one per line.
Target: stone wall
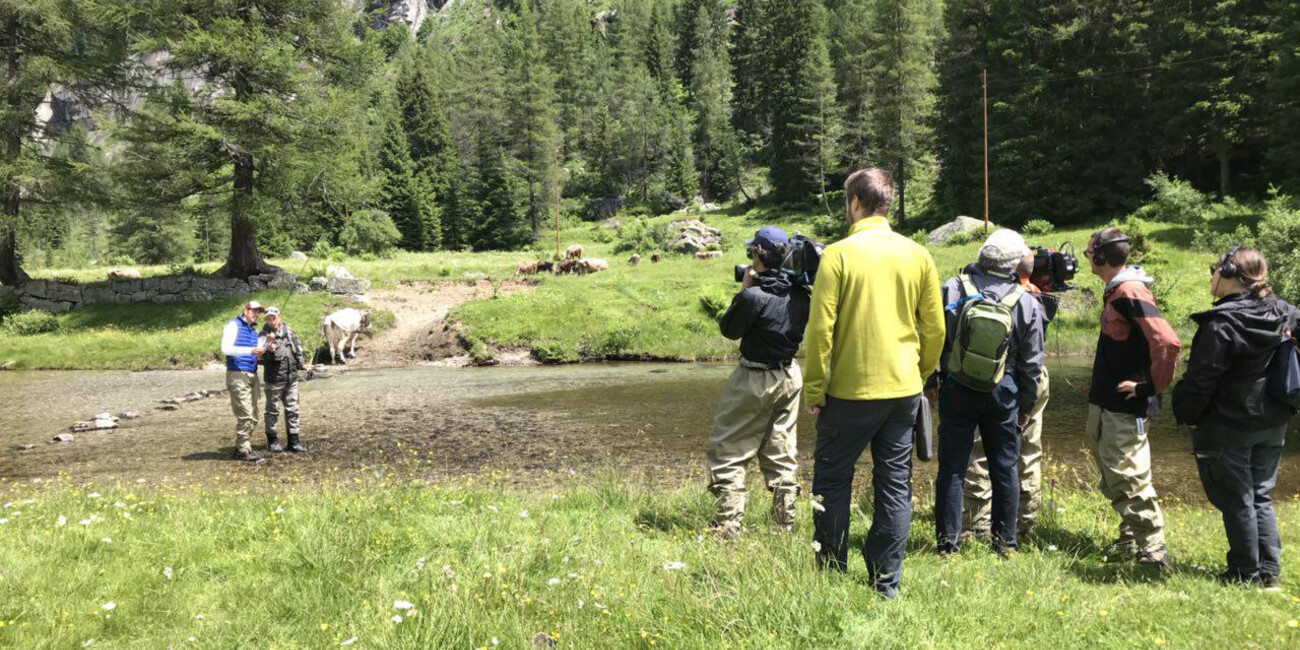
(58, 297)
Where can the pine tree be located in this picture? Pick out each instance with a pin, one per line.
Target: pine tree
(802, 95)
(716, 146)
(432, 149)
(401, 194)
(1284, 94)
(265, 69)
(500, 226)
(751, 67)
(535, 137)
(48, 43)
(900, 82)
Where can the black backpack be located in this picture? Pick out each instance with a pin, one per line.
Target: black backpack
(1284, 373)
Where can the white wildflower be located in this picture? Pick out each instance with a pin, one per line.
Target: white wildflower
(397, 618)
(1051, 547)
(495, 642)
(106, 540)
(191, 639)
(279, 510)
(580, 603)
(817, 546)
(674, 565)
(523, 514)
(87, 643)
(167, 571)
(552, 582)
(349, 641)
(93, 495)
(564, 560)
(108, 607)
(199, 616)
(402, 604)
(419, 564)
(3, 521)
(454, 503)
(493, 507)
(61, 521)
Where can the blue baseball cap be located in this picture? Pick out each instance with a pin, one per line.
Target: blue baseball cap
(767, 236)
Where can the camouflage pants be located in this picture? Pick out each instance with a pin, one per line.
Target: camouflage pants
(243, 388)
(1119, 445)
(757, 417)
(978, 490)
(284, 393)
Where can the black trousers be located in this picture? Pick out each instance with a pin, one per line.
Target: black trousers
(1239, 470)
(844, 430)
(962, 411)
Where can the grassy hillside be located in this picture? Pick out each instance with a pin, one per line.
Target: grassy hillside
(588, 567)
(660, 311)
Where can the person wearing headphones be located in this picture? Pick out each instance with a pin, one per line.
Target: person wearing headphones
(1238, 429)
(1137, 352)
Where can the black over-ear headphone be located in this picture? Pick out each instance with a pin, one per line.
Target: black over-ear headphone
(1098, 246)
(1228, 268)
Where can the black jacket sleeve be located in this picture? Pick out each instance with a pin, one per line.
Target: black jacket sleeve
(735, 323)
(296, 347)
(1211, 356)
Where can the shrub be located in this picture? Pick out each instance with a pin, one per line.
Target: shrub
(963, 238)
(27, 323)
(1210, 240)
(637, 235)
(714, 304)
(1279, 230)
(551, 352)
(1174, 200)
(327, 252)
(608, 344)
(1038, 227)
(369, 231)
(828, 229)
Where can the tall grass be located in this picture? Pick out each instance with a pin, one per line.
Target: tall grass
(589, 567)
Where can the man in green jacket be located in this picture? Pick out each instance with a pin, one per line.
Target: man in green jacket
(875, 330)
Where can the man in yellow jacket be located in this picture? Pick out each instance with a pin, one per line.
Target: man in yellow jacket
(875, 331)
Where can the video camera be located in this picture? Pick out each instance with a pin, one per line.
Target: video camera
(802, 257)
(1054, 268)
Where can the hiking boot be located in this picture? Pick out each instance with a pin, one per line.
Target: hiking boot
(1234, 578)
(249, 457)
(725, 532)
(1120, 550)
(274, 447)
(944, 549)
(1269, 582)
(1004, 550)
(295, 446)
(1158, 559)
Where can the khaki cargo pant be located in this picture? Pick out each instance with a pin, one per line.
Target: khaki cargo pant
(977, 510)
(757, 416)
(1119, 445)
(244, 389)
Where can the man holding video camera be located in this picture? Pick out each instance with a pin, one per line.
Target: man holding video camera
(759, 408)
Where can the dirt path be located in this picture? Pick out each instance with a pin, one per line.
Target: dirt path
(420, 309)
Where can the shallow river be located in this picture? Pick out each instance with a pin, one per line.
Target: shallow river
(533, 426)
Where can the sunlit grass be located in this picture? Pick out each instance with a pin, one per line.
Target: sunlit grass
(587, 565)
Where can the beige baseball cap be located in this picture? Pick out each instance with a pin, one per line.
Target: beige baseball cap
(254, 305)
(272, 311)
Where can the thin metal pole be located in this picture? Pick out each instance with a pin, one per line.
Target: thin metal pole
(984, 75)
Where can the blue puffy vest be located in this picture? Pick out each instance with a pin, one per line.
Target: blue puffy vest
(247, 338)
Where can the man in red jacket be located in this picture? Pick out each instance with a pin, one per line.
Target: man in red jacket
(1136, 355)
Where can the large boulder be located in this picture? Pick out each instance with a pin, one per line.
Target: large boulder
(960, 225)
(691, 236)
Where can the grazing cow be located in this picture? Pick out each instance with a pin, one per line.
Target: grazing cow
(635, 259)
(708, 255)
(340, 330)
(594, 265)
(526, 268)
(569, 266)
(573, 252)
(545, 266)
(654, 259)
(123, 273)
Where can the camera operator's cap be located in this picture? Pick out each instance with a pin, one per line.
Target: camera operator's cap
(254, 305)
(1004, 246)
(272, 311)
(769, 235)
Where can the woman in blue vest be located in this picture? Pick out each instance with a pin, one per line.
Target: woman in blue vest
(241, 347)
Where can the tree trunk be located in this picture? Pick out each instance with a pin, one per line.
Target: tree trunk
(11, 270)
(244, 259)
(902, 194)
(1225, 172)
(532, 206)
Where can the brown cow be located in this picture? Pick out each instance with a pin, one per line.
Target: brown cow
(570, 266)
(654, 259)
(708, 255)
(635, 259)
(573, 252)
(545, 266)
(526, 268)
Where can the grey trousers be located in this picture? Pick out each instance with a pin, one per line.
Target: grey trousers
(282, 393)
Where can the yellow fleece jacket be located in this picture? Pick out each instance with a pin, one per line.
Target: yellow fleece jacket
(876, 328)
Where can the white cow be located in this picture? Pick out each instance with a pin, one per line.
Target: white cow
(340, 330)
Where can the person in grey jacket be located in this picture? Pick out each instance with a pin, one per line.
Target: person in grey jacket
(1239, 430)
(997, 415)
(280, 366)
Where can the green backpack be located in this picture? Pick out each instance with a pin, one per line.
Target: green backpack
(978, 359)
